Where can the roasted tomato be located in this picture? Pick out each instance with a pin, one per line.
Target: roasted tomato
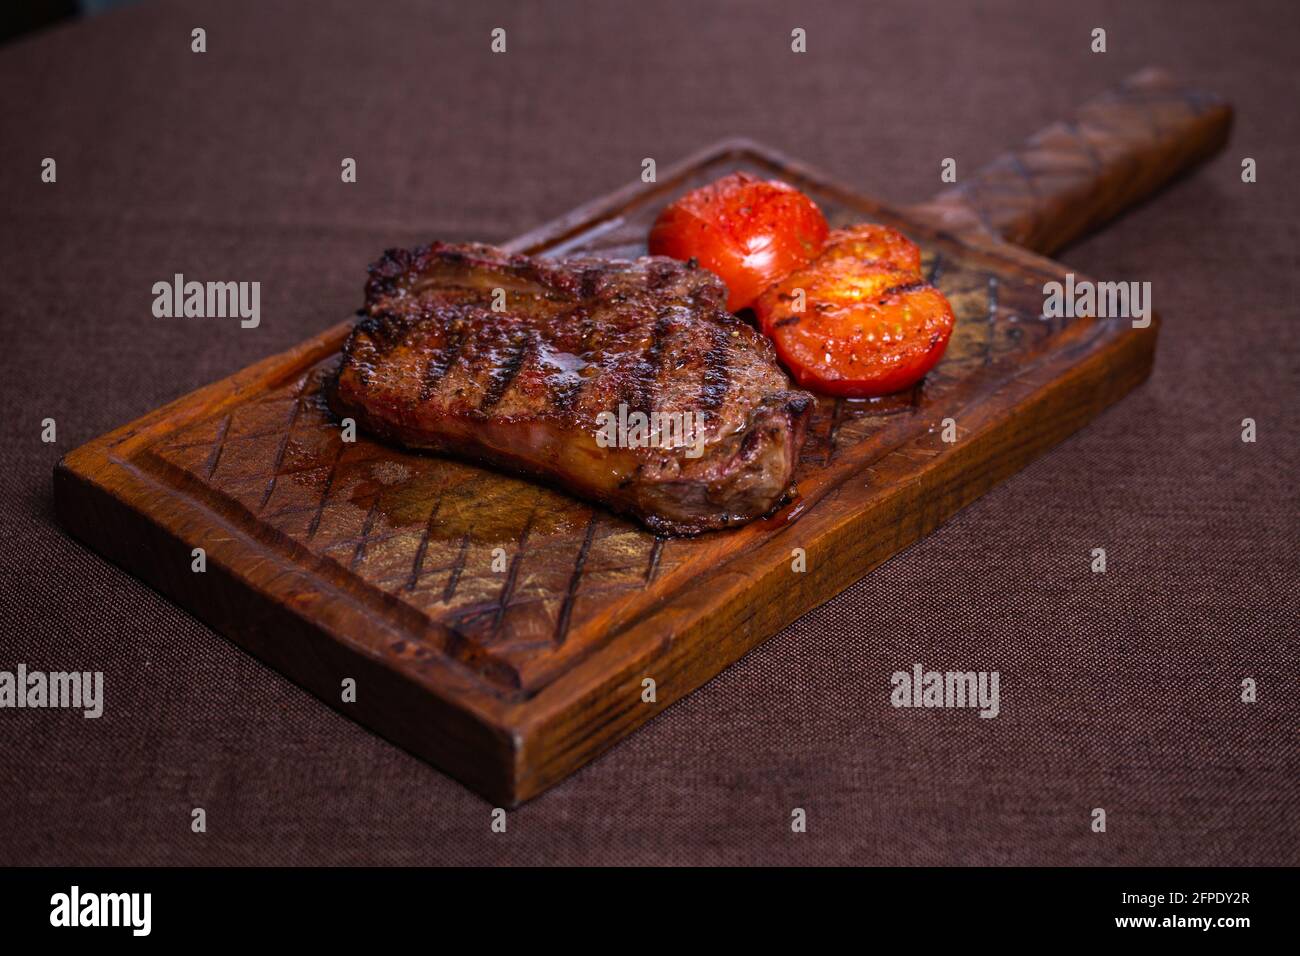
(860, 320)
(869, 242)
(749, 232)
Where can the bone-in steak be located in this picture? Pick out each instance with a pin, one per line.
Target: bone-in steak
(541, 367)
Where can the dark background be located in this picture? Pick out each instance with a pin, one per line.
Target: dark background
(1118, 690)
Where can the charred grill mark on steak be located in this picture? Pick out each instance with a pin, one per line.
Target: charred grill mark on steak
(433, 367)
(639, 392)
(441, 361)
(568, 386)
(503, 375)
(659, 274)
(590, 283)
(713, 391)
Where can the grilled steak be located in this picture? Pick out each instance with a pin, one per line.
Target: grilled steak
(542, 367)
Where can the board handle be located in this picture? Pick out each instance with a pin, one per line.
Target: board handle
(1077, 174)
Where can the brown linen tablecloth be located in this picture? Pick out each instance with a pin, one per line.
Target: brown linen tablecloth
(1118, 690)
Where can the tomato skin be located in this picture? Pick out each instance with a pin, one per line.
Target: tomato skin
(749, 232)
(870, 326)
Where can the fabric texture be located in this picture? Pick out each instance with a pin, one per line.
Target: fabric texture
(1119, 690)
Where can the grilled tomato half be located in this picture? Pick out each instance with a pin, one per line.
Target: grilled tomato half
(859, 320)
(749, 232)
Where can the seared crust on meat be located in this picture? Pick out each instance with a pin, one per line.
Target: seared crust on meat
(528, 385)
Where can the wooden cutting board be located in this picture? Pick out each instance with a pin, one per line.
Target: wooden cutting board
(504, 631)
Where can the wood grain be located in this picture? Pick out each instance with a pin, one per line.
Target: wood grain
(332, 560)
(1081, 172)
